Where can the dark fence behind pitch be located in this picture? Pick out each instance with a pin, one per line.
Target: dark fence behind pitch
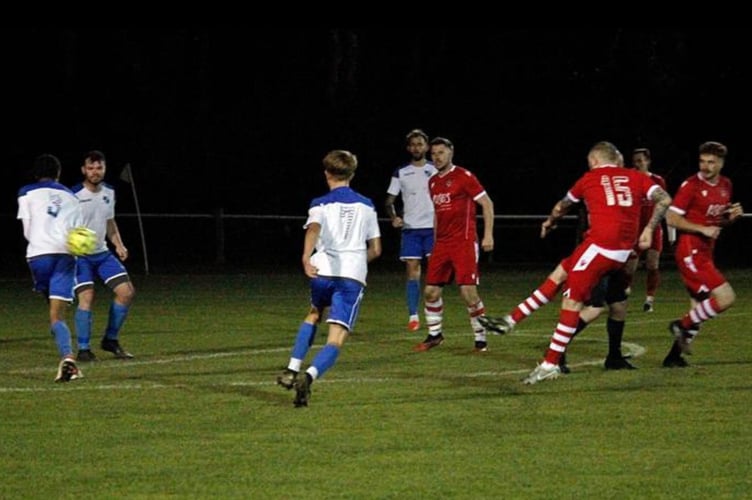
(219, 241)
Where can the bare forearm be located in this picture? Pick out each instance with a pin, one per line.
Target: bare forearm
(682, 224)
(113, 233)
(733, 213)
(559, 210)
(488, 219)
(661, 200)
(391, 211)
(309, 243)
(374, 249)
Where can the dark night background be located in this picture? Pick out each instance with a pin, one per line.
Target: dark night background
(240, 119)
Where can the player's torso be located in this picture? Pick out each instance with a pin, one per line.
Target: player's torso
(613, 196)
(452, 196)
(97, 207)
(418, 207)
(53, 210)
(704, 203)
(348, 220)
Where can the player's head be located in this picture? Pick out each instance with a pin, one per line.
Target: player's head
(416, 133)
(641, 159)
(93, 156)
(46, 166)
(94, 167)
(604, 153)
(714, 148)
(712, 157)
(340, 164)
(442, 152)
(417, 144)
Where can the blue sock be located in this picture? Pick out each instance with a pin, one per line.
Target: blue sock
(82, 320)
(304, 341)
(325, 359)
(115, 321)
(413, 296)
(62, 335)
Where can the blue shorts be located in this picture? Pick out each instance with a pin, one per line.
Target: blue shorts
(341, 296)
(103, 265)
(54, 275)
(416, 243)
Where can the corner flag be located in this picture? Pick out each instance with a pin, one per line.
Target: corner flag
(126, 175)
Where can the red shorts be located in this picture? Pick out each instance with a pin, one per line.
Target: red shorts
(697, 268)
(586, 266)
(453, 261)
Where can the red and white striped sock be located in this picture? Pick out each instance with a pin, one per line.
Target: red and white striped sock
(564, 332)
(703, 311)
(539, 298)
(434, 312)
(475, 310)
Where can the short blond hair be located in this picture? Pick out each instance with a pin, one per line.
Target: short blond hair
(340, 164)
(605, 152)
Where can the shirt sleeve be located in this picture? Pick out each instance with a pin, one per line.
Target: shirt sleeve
(681, 201)
(394, 186)
(373, 230)
(23, 208)
(315, 215)
(575, 192)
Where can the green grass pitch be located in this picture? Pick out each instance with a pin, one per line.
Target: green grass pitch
(197, 413)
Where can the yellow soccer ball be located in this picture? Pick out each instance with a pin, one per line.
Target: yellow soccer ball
(82, 241)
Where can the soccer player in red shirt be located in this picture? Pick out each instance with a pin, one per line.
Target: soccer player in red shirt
(613, 196)
(701, 208)
(455, 192)
(641, 161)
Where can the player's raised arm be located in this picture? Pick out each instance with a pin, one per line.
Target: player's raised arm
(560, 210)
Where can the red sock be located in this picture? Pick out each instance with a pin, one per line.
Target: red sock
(654, 279)
(564, 332)
(539, 298)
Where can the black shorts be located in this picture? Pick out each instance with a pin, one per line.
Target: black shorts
(610, 289)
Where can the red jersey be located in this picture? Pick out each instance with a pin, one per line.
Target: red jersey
(703, 203)
(453, 196)
(613, 196)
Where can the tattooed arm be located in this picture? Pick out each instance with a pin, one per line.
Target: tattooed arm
(661, 200)
(560, 210)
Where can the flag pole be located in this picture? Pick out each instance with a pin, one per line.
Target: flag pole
(127, 176)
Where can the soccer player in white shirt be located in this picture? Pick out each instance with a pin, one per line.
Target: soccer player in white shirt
(416, 222)
(342, 237)
(48, 211)
(98, 208)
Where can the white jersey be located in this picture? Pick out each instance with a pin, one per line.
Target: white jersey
(48, 211)
(348, 220)
(412, 182)
(97, 208)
